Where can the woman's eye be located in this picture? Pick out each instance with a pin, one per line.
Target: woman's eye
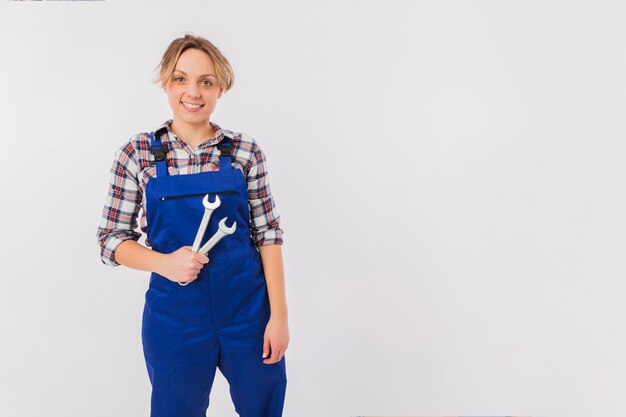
(181, 78)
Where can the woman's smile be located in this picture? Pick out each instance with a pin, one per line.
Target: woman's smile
(191, 107)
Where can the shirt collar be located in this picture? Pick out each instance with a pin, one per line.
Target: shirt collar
(178, 142)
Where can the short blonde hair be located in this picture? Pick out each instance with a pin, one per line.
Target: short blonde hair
(224, 72)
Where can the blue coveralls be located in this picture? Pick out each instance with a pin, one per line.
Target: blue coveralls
(217, 320)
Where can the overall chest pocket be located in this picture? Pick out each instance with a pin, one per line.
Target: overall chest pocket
(174, 197)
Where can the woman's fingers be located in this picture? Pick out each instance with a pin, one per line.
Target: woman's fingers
(277, 355)
(281, 352)
(266, 348)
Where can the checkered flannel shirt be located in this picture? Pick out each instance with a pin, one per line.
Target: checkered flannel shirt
(133, 166)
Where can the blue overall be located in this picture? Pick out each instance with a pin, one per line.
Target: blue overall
(217, 320)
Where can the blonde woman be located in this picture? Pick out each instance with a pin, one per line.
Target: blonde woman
(229, 312)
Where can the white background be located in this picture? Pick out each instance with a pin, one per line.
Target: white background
(449, 174)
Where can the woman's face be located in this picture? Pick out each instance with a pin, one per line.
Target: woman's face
(193, 82)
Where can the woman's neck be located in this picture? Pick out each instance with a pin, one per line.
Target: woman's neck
(193, 135)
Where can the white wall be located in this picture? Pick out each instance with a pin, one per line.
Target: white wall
(450, 176)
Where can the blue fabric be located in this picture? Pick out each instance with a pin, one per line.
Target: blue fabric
(217, 320)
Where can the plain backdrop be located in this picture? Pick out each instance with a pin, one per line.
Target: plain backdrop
(449, 175)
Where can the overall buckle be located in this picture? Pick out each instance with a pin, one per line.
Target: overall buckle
(224, 150)
(159, 154)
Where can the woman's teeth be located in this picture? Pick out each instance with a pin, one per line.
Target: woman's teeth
(192, 106)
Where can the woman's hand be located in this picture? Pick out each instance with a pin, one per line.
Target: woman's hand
(275, 339)
(182, 265)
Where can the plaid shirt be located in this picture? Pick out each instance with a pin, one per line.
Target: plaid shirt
(133, 166)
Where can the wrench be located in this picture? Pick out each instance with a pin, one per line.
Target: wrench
(208, 209)
(221, 232)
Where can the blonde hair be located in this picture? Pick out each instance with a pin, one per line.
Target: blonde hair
(224, 72)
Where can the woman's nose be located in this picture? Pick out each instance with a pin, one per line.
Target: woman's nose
(192, 92)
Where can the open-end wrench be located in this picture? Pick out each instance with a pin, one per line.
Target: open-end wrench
(221, 232)
(208, 209)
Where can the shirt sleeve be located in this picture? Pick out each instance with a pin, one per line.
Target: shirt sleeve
(122, 204)
(265, 225)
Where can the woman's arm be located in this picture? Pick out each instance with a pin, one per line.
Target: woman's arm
(182, 265)
(134, 255)
(276, 337)
(119, 215)
(272, 258)
(267, 236)
(265, 227)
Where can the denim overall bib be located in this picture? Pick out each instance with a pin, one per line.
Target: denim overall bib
(217, 320)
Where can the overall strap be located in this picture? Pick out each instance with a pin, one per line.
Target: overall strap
(225, 154)
(159, 150)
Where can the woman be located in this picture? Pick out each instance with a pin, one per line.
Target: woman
(230, 312)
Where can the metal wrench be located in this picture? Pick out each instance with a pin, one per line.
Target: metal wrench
(221, 232)
(208, 209)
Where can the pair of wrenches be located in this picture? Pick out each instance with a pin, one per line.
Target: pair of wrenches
(221, 231)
